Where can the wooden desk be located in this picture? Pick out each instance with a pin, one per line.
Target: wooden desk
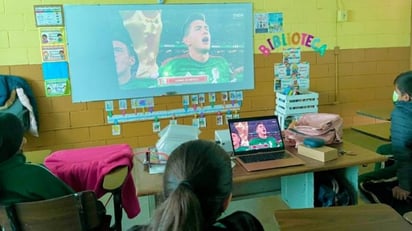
(381, 113)
(379, 130)
(358, 217)
(292, 179)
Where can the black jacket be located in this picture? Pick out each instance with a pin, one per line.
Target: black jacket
(401, 137)
(237, 221)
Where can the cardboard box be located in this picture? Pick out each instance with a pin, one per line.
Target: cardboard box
(323, 153)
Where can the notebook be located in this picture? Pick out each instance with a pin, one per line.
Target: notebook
(258, 144)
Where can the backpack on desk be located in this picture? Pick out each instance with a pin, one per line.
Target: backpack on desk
(326, 126)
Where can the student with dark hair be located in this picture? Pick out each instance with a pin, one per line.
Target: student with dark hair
(393, 185)
(197, 61)
(21, 181)
(197, 186)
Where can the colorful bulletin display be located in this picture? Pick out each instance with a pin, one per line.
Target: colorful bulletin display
(188, 102)
(268, 22)
(53, 47)
(292, 75)
(141, 116)
(52, 39)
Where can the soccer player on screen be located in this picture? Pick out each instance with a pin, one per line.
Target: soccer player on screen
(197, 61)
(126, 64)
(263, 140)
(237, 145)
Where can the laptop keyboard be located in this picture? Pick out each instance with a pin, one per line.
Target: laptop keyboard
(262, 157)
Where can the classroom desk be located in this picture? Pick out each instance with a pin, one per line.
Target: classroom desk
(381, 113)
(292, 179)
(379, 130)
(357, 217)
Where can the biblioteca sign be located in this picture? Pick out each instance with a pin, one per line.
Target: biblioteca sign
(293, 39)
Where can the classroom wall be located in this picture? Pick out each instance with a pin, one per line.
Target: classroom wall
(364, 55)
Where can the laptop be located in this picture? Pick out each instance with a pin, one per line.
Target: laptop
(258, 144)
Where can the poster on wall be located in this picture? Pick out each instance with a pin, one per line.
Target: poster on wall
(56, 78)
(292, 74)
(52, 43)
(49, 15)
(54, 61)
(54, 35)
(268, 22)
(53, 53)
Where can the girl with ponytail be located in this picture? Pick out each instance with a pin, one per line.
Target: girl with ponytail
(197, 187)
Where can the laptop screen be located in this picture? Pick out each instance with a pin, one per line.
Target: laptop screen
(255, 134)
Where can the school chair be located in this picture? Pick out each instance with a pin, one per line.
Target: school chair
(75, 212)
(102, 169)
(384, 149)
(6, 219)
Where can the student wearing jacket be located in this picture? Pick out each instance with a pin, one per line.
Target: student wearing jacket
(393, 185)
(21, 181)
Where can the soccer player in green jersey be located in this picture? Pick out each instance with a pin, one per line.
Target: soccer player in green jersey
(263, 138)
(197, 61)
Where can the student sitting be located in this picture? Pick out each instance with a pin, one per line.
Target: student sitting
(392, 185)
(197, 186)
(21, 181)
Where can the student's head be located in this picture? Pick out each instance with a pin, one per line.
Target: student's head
(197, 187)
(403, 86)
(11, 135)
(196, 34)
(261, 130)
(125, 59)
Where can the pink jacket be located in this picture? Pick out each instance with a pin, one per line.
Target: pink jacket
(85, 168)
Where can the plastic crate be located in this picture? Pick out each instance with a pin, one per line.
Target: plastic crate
(297, 104)
(285, 120)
